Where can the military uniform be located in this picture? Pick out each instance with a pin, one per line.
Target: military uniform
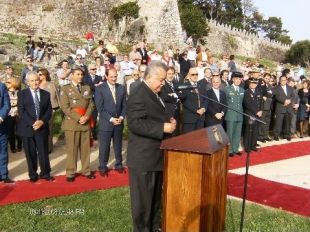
(75, 103)
(234, 98)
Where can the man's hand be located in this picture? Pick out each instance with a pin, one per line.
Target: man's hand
(259, 113)
(201, 111)
(219, 116)
(287, 102)
(37, 124)
(83, 120)
(265, 98)
(169, 127)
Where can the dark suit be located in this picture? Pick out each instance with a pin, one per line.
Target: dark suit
(133, 86)
(35, 141)
(108, 109)
(283, 113)
(172, 103)
(252, 103)
(146, 118)
(87, 80)
(204, 84)
(266, 116)
(144, 55)
(5, 107)
(192, 101)
(214, 107)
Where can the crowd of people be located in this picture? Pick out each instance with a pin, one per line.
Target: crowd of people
(99, 89)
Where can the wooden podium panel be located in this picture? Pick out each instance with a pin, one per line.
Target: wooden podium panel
(195, 182)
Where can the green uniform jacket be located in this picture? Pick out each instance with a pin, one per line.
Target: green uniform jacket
(234, 100)
(71, 98)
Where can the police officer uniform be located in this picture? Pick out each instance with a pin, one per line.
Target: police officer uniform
(76, 101)
(234, 98)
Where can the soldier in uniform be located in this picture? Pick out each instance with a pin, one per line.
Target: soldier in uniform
(76, 103)
(252, 103)
(234, 98)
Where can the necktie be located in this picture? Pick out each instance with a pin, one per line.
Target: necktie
(37, 103)
(197, 92)
(79, 88)
(113, 93)
(237, 89)
(171, 85)
(160, 100)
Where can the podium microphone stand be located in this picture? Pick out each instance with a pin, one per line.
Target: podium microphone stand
(252, 120)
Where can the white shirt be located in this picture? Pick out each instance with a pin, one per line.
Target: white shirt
(284, 89)
(82, 52)
(127, 67)
(33, 94)
(217, 93)
(191, 54)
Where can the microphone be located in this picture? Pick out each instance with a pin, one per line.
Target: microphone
(185, 87)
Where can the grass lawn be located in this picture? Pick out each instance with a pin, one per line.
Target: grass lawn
(109, 211)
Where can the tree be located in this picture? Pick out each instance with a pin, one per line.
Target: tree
(193, 20)
(299, 53)
(273, 30)
(254, 23)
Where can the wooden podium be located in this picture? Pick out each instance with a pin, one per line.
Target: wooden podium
(195, 181)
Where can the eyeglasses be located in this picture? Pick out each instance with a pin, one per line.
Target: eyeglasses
(215, 75)
(40, 74)
(93, 69)
(78, 58)
(194, 74)
(29, 60)
(136, 75)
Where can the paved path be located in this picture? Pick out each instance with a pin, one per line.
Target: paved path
(18, 165)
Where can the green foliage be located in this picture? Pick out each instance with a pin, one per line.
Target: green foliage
(193, 20)
(232, 41)
(57, 123)
(273, 29)
(109, 211)
(49, 8)
(299, 53)
(17, 40)
(130, 9)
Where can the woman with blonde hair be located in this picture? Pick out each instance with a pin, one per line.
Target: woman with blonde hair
(49, 86)
(13, 85)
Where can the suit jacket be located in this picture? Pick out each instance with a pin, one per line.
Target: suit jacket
(252, 102)
(204, 84)
(190, 103)
(70, 100)
(5, 106)
(133, 86)
(235, 100)
(146, 117)
(87, 80)
(280, 97)
(172, 103)
(214, 107)
(27, 113)
(106, 106)
(143, 54)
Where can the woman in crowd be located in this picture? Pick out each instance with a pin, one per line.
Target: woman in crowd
(100, 68)
(13, 85)
(304, 104)
(46, 84)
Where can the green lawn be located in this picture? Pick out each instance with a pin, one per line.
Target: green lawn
(109, 211)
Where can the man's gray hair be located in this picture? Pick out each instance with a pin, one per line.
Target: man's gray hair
(153, 67)
(31, 73)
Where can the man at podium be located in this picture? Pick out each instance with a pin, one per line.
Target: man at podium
(148, 124)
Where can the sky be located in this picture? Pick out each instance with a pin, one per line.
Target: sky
(295, 15)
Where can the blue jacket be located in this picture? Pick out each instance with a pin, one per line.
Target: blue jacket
(5, 106)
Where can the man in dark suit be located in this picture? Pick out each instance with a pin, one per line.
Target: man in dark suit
(5, 107)
(93, 80)
(148, 124)
(205, 83)
(110, 100)
(215, 112)
(35, 111)
(284, 97)
(252, 103)
(171, 99)
(143, 52)
(194, 106)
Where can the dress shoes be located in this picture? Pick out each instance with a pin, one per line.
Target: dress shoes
(231, 154)
(47, 178)
(268, 139)
(120, 170)
(254, 149)
(7, 180)
(13, 150)
(90, 176)
(104, 173)
(288, 139)
(276, 138)
(70, 179)
(18, 150)
(34, 179)
(238, 153)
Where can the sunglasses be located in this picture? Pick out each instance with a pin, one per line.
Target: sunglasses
(93, 69)
(41, 74)
(194, 74)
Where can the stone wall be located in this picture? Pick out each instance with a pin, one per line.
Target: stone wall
(158, 22)
(225, 39)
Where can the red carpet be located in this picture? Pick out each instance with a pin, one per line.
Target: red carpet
(274, 194)
(287, 197)
(23, 191)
